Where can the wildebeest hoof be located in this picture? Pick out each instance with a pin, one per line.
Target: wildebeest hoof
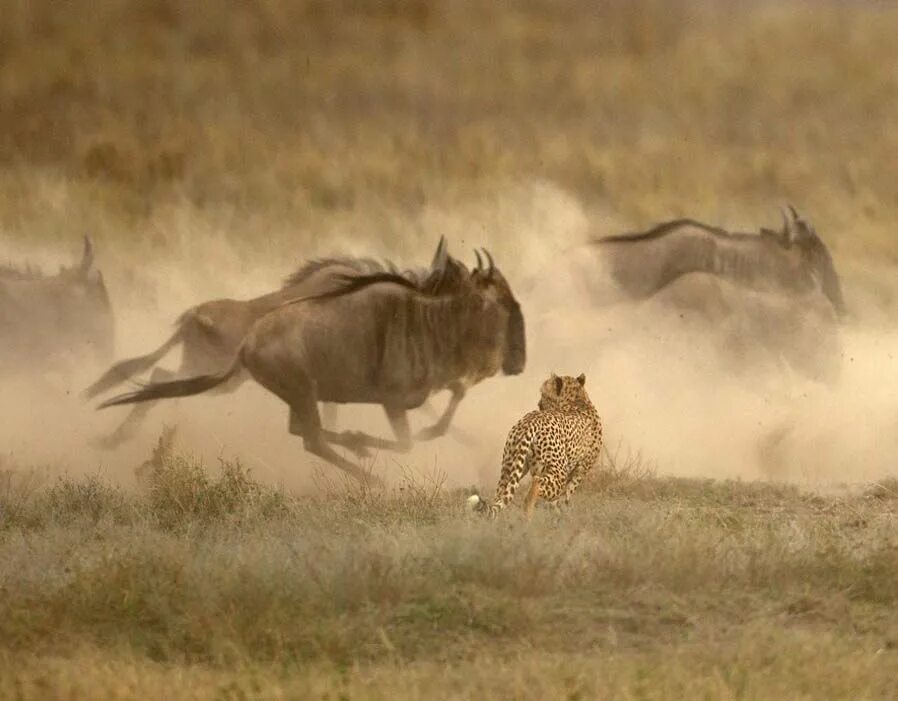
(356, 442)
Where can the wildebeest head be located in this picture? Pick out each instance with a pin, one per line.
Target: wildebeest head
(48, 317)
(493, 286)
(85, 281)
(798, 233)
(83, 269)
(87, 300)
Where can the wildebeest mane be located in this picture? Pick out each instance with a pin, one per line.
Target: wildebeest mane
(12, 272)
(665, 228)
(362, 265)
(349, 284)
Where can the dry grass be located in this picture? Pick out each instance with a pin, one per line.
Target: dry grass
(646, 588)
(280, 120)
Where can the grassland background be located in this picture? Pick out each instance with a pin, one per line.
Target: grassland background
(209, 148)
(273, 123)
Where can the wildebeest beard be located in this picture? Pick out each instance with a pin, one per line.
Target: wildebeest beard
(440, 340)
(515, 342)
(830, 283)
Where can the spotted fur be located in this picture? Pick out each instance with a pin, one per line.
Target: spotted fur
(557, 444)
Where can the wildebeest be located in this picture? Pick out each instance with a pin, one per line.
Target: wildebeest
(753, 329)
(774, 295)
(209, 333)
(55, 322)
(375, 339)
(635, 266)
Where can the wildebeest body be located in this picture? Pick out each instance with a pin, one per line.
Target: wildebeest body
(375, 339)
(417, 349)
(210, 333)
(55, 322)
(633, 267)
(775, 294)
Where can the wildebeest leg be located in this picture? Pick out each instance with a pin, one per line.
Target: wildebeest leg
(442, 425)
(305, 422)
(128, 427)
(428, 409)
(328, 414)
(358, 441)
(300, 393)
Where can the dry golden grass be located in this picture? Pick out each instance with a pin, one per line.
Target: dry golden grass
(272, 128)
(217, 587)
(282, 119)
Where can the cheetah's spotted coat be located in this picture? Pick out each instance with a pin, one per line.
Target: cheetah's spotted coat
(558, 444)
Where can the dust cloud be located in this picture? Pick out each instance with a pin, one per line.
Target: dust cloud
(660, 385)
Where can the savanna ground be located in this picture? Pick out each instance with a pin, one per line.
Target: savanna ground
(209, 149)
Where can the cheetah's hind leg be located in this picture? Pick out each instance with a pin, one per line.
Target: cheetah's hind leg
(532, 496)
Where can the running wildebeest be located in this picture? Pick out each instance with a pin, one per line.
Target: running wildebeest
(776, 293)
(632, 267)
(210, 333)
(50, 322)
(375, 339)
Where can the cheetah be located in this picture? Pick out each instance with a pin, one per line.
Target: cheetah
(558, 444)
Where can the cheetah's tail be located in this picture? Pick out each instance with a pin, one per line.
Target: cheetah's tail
(476, 503)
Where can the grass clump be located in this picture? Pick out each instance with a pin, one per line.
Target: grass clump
(180, 493)
(86, 500)
(176, 492)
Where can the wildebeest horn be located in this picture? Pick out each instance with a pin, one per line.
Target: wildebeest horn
(794, 213)
(785, 220)
(87, 258)
(490, 259)
(479, 260)
(441, 257)
(790, 231)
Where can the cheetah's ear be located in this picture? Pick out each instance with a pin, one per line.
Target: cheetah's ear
(582, 379)
(558, 383)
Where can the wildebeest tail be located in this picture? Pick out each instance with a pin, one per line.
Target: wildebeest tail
(129, 367)
(178, 388)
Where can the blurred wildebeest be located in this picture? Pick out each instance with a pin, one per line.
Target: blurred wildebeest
(211, 332)
(754, 330)
(55, 322)
(635, 266)
(375, 339)
(773, 295)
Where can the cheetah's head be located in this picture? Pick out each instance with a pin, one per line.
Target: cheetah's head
(561, 393)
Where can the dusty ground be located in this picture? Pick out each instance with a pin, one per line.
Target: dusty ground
(210, 151)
